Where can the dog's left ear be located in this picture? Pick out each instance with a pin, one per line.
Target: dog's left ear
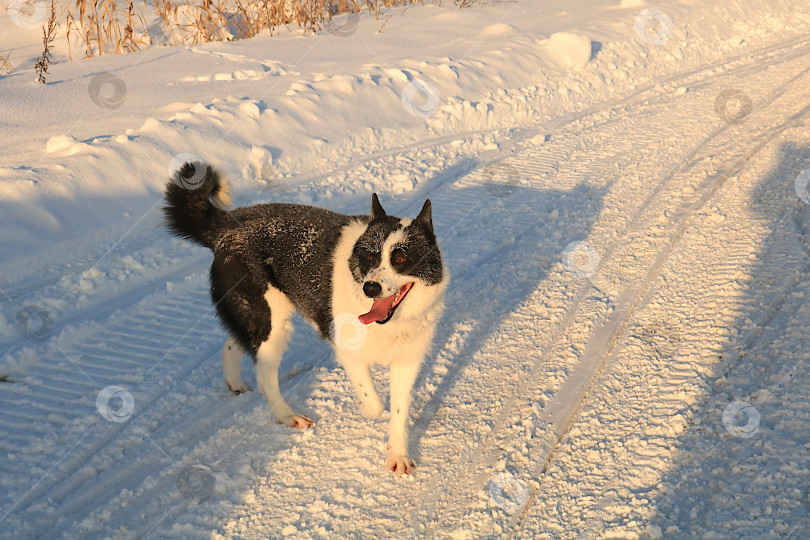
(377, 211)
(425, 217)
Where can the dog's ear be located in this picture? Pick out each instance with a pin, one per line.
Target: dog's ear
(425, 217)
(377, 211)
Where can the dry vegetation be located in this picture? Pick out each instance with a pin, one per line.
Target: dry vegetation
(5, 63)
(108, 26)
(104, 26)
(48, 35)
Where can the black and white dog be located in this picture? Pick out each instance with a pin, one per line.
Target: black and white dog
(341, 273)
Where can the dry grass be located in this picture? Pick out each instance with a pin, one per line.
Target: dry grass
(48, 35)
(5, 63)
(105, 26)
(224, 20)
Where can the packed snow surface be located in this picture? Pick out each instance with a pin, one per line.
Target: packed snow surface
(620, 189)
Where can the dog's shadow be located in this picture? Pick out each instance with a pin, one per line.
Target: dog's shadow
(500, 242)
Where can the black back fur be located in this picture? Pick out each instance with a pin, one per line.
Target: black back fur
(286, 245)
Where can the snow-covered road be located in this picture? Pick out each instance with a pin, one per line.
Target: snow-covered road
(624, 349)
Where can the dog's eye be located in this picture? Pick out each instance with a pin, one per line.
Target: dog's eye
(370, 257)
(398, 256)
(399, 259)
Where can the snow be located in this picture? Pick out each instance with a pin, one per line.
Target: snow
(569, 50)
(620, 190)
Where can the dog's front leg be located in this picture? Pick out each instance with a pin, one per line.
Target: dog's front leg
(367, 398)
(402, 375)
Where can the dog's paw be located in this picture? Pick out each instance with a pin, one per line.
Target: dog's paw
(237, 389)
(297, 421)
(371, 409)
(400, 463)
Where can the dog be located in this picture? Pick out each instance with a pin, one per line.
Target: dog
(372, 286)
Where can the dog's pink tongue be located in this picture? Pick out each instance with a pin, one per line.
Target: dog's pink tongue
(379, 311)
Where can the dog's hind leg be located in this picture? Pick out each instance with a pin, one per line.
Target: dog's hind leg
(258, 317)
(232, 355)
(268, 359)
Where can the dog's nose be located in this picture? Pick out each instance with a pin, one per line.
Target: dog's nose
(372, 288)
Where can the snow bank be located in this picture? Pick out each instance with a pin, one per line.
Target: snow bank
(274, 111)
(569, 50)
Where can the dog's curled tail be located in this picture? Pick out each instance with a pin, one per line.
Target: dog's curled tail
(197, 196)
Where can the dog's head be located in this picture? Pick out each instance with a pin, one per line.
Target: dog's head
(396, 262)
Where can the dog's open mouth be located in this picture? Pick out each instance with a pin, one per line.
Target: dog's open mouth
(383, 308)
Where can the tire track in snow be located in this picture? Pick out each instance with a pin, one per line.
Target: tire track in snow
(641, 294)
(164, 375)
(646, 402)
(579, 381)
(114, 356)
